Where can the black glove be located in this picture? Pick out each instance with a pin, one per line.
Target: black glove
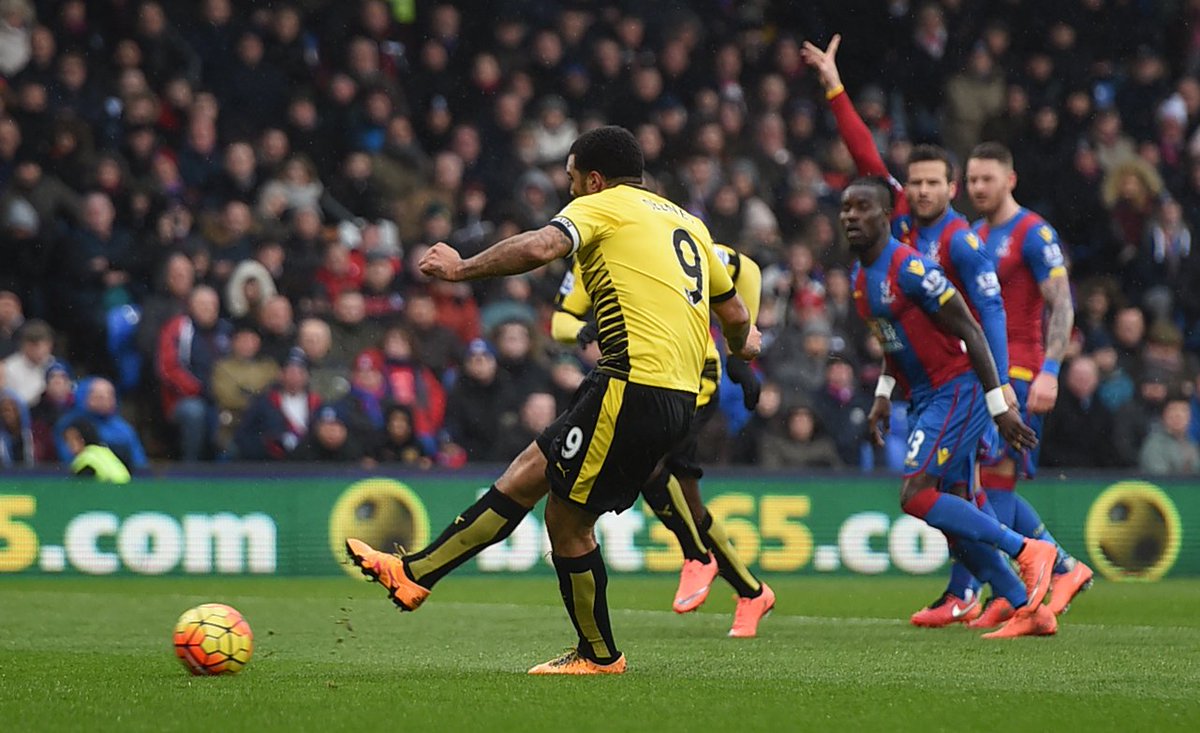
(740, 373)
(589, 333)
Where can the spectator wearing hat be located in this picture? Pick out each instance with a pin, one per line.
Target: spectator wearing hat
(277, 421)
(250, 285)
(399, 444)
(188, 350)
(57, 400)
(25, 371)
(329, 440)
(1170, 450)
(96, 404)
(237, 378)
(477, 403)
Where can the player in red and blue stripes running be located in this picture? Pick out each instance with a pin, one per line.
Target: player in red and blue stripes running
(1033, 281)
(924, 219)
(922, 323)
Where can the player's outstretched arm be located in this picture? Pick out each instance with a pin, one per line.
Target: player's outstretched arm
(519, 253)
(954, 318)
(1060, 319)
(851, 127)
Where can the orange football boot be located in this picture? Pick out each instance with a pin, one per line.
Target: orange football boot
(947, 610)
(750, 611)
(387, 570)
(1065, 586)
(573, 663)
(694, 582)
(1036, 565)
(1029, 621)
(995, 612)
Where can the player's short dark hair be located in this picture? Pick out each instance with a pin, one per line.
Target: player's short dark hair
(611, 151)
(993, 151)
(881, 186)
(925, 153)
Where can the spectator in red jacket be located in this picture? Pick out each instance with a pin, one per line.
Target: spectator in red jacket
(188, 347)
(414, 385)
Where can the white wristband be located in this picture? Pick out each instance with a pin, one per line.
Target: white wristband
(885, 386)
(996, 403)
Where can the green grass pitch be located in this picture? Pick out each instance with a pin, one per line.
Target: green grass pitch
(334, 655)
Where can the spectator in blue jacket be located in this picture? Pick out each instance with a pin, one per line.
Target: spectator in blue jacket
(96, 402)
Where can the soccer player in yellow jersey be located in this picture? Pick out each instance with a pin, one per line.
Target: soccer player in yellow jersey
(652, 275)
(702, 538)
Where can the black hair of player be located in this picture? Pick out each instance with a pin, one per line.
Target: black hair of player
(882, 188)
(993, 151)
(925, 153)
(611, 151)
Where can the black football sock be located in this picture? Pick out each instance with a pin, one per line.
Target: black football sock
(732, 569)
(671, 509)
(484, 523)
(583, 582)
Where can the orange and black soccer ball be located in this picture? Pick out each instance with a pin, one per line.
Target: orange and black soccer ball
(213, 639)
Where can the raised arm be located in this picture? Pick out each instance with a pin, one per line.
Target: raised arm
(519, 253)
(853, 130)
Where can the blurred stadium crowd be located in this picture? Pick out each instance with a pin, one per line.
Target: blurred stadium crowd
(210, 211)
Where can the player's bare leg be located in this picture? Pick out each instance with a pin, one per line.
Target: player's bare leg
(409, 578)
(583, 582)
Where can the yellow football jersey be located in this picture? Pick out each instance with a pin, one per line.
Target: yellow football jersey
(650, 271)
(573, 305)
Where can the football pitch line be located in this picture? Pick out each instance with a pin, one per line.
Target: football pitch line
(777, 618)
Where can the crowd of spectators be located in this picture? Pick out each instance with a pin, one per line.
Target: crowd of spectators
(210, 212)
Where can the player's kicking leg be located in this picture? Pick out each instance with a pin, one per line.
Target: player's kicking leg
(491, 519)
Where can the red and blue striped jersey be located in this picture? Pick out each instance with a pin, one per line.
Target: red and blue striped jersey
(1027, 253)
(952, 244)
(895, 296)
